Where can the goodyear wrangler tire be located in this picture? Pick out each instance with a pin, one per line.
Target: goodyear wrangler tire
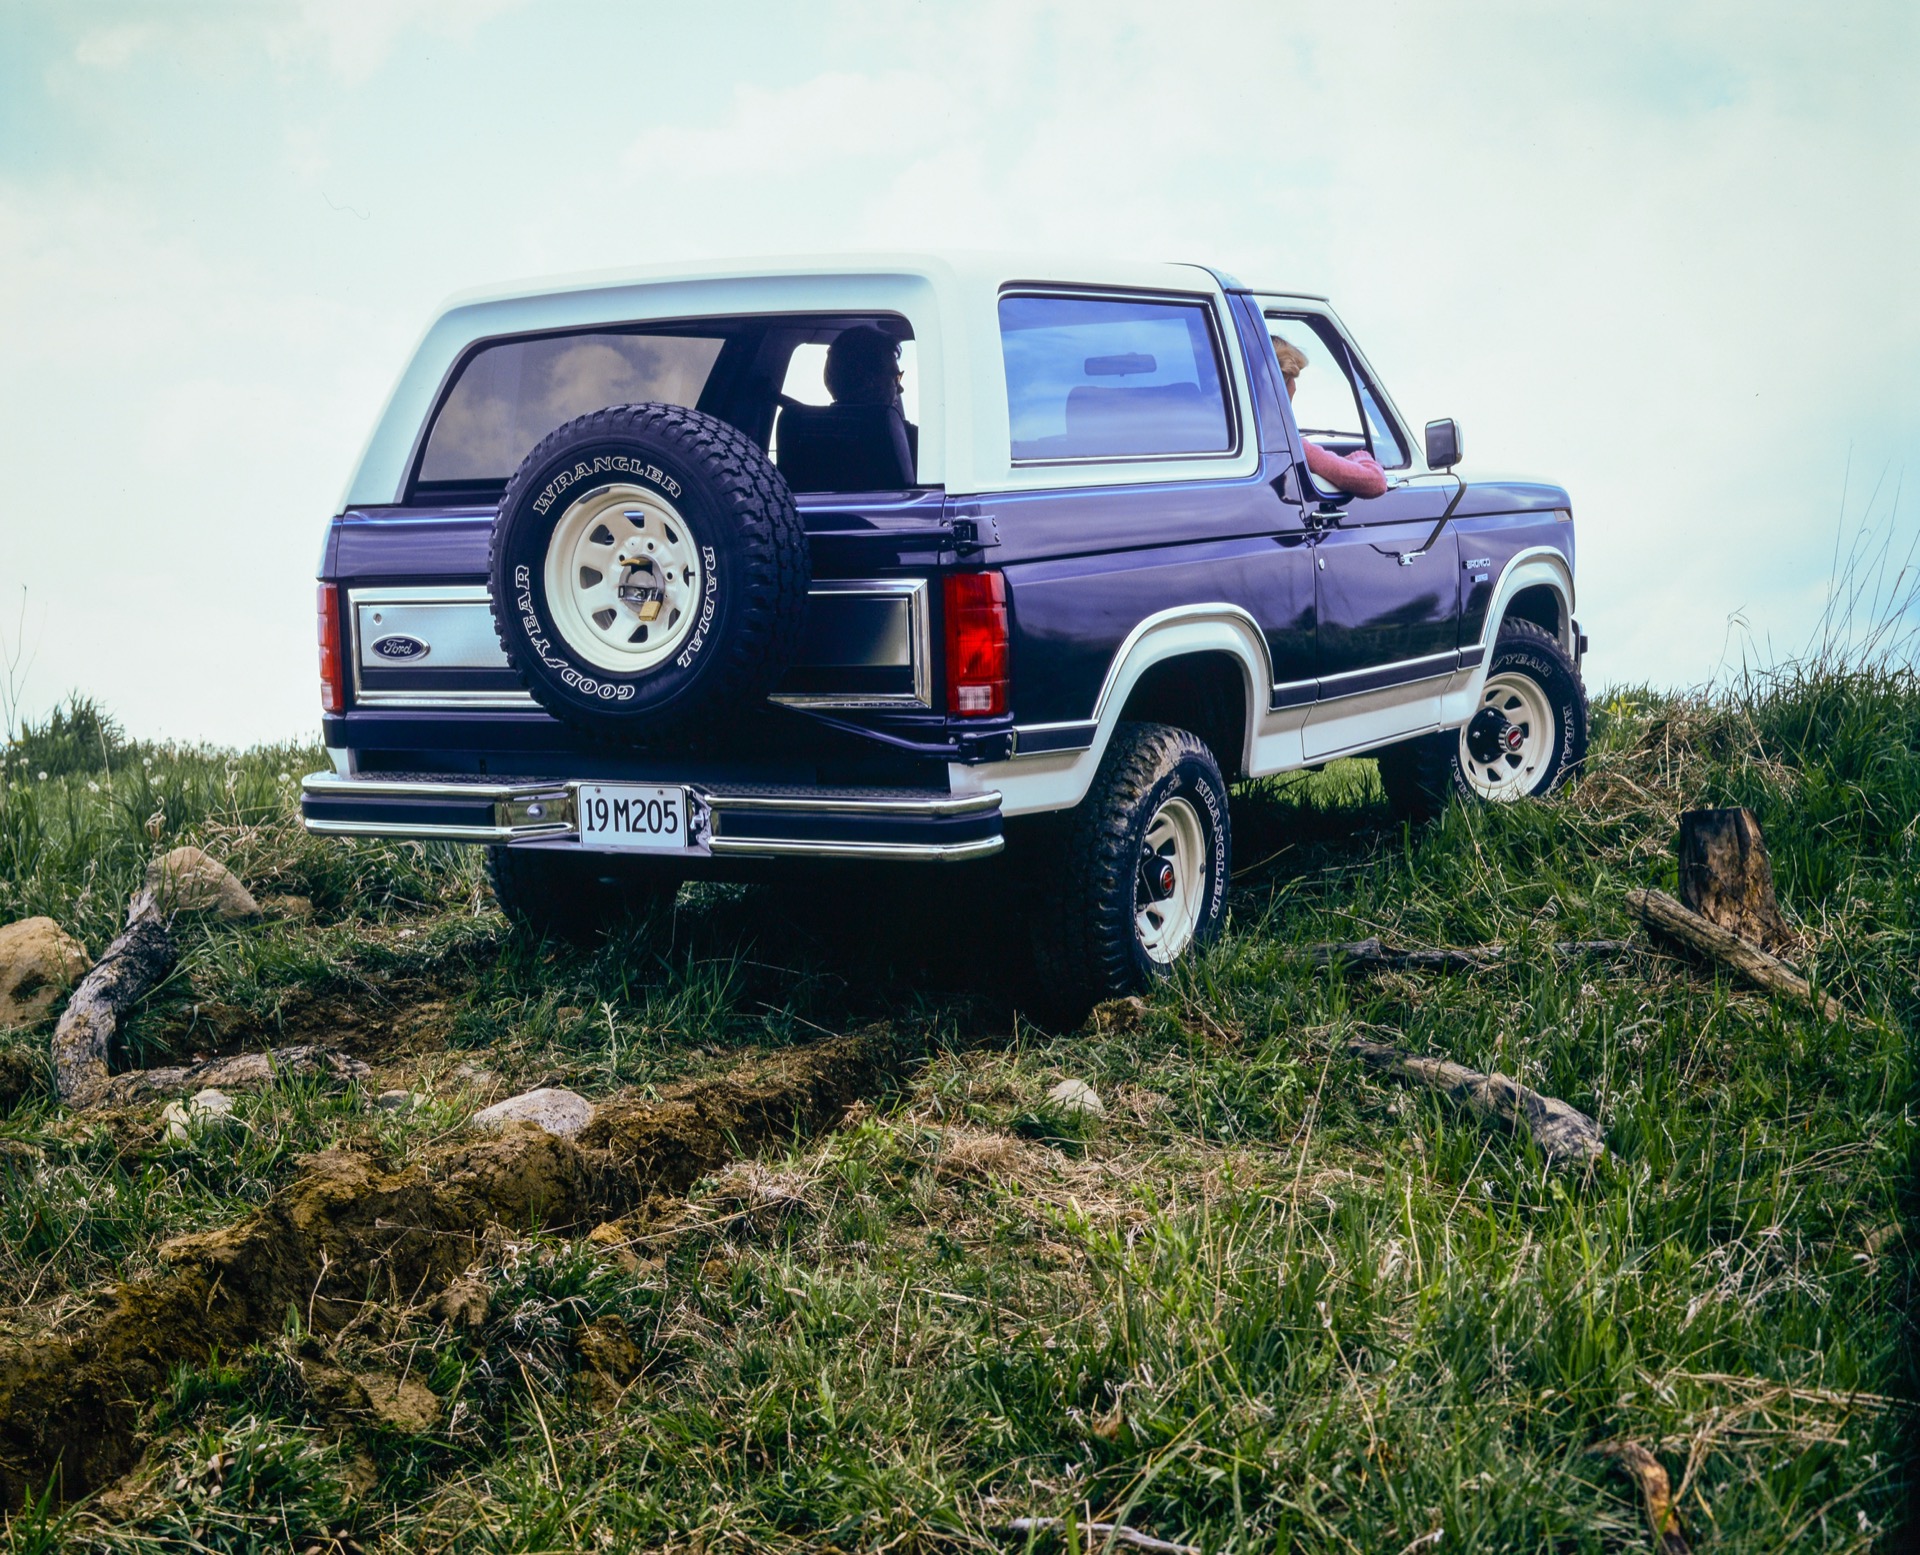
(1138, 878)
(648, 566)
(1528, 736)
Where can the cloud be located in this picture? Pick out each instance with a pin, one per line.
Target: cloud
(1657, 253)
(837, 118)
(351, 39)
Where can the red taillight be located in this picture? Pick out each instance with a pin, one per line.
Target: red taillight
(333, 697)
(976, 615)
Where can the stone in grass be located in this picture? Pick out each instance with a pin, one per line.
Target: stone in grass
(187, 880)
(39, 961)
(208, 1109)
(553, 1108)
(1077, 1096)
(400, 1101)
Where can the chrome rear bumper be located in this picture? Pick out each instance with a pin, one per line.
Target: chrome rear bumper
(731, 821)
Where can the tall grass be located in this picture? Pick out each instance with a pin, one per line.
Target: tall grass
(1270, 1303)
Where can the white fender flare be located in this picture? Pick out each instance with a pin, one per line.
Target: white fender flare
(1058, 780)
(1535, 566)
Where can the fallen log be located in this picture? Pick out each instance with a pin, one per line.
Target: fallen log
(1371, 955)
(1662, 912)
(132, 966)
(1564, 1133)
(236, 1072)
(184, 880)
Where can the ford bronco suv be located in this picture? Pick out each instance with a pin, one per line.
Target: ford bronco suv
(629, 590)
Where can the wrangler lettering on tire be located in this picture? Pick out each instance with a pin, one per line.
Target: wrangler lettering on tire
(648, 565)
(1139, 878)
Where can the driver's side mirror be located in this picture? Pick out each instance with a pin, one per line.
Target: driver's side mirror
(1443, 444)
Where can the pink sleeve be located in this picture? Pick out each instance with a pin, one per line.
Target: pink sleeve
(1360, 475)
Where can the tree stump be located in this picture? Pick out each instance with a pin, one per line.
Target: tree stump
(1727, 878)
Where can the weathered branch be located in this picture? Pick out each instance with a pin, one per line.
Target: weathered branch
(1370, 955)
(184, 880)
(132, 965)
(1563, 1133)
(1662, 912)
(238, 1072)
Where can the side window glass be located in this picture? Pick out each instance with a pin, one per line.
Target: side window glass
(1099, 378)
(806, 379)
(1333, 408)
(1386, 445)
(511, 395)
(861, 434)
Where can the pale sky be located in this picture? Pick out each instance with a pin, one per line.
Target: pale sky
(1662, 254)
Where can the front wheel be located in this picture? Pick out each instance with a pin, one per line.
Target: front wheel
(1528, 735)
(1139, 878)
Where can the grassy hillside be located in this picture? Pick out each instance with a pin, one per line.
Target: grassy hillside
(1268, 1303)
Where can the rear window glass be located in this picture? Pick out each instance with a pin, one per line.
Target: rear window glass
(511, 395)
(1097, 378)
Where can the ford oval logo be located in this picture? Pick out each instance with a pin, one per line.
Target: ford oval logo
(399, 646)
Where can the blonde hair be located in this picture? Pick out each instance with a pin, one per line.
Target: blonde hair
(1292, 359)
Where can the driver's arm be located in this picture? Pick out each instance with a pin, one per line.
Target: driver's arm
(1358, 474)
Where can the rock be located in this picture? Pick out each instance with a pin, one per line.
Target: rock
(477, 1075)
(187, 880)
(400, 1101)
(39, 961)
(208, 1109)
(295, 909)
(556, 1110)
(1077, 1096)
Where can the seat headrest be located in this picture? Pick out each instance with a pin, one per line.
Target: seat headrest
(844, 448)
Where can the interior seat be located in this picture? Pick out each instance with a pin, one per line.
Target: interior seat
(844, 448)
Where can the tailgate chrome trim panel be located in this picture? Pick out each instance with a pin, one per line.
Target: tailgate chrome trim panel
(876, 629)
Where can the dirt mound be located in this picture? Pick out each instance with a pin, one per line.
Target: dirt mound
(345, 1233)
(694, 1128)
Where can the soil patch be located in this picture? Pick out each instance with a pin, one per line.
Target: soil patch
(403, 1019)
(345, 1233)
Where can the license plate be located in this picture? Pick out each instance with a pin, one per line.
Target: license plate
(630, 818)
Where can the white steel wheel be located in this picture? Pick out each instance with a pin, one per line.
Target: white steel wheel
(1508, 745)
(1169, 885)
(624, 578)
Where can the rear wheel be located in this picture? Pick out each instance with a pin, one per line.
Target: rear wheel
(1137, 879)
(563, 894)
(1527, 736)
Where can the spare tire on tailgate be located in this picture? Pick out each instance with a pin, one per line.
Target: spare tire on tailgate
(648, 566)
